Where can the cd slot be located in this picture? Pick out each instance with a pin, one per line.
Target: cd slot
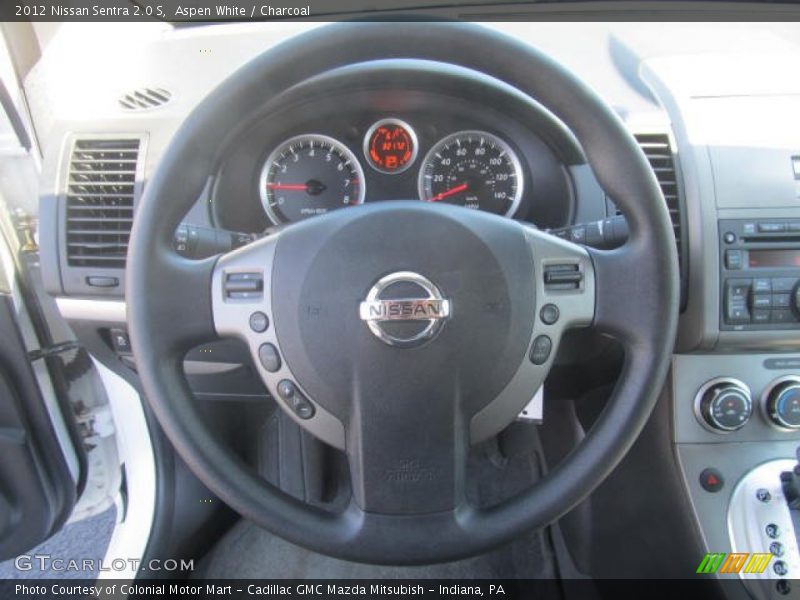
(772, 239)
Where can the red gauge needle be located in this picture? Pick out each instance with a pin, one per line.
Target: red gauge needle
(300, 187)
(450, 192)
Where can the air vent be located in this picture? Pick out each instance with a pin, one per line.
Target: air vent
(101, 185)
(145, 98)
(657, 149)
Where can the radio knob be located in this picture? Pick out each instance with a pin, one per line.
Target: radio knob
(725, 405)
(795, 299)
(783, 404)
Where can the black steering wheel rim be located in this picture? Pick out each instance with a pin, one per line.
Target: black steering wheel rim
(636, 290)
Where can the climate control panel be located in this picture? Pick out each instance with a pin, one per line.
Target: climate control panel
(724, 405)
(782, 403)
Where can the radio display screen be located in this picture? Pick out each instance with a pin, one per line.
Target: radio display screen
(773, 258)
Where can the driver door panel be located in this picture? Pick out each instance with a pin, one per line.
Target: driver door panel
(37, 489)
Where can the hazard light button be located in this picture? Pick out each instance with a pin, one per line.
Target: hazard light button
(711, 480)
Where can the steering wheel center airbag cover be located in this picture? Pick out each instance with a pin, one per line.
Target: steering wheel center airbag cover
(325, 268)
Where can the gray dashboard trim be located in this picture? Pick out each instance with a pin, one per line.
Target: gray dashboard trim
(697, 328)
(101, 311)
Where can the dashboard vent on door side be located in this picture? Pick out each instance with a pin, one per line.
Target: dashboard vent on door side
(100, 192)
(145, 98)
(658, 150)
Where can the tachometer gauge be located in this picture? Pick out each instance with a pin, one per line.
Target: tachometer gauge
(475, 169)
(309, 175)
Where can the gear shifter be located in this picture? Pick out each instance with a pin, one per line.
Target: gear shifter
(764, 519)
(790, 482)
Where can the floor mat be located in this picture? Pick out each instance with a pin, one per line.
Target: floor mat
(87, 539)
(249, 552)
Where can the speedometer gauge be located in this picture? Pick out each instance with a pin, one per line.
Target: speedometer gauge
(309, 175)
(474, 169)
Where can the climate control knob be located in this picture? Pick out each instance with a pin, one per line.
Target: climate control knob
(724, 405)
(783, 404)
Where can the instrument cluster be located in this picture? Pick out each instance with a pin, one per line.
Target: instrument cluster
(312, 174)
(340, 150)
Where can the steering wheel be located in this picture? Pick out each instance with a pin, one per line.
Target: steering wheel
(402, 332)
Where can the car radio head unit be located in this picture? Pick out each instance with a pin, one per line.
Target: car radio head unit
(759, 274)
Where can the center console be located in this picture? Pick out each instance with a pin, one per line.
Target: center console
(736, 403)
(735, 381)
(736, 419)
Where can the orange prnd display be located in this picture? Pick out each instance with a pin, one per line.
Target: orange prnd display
(390, 146)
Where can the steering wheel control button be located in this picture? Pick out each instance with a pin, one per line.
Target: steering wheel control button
(269, 357)
(772, 531)
(286, 389)
(783, 404)
(562, 277)
(302, 407)
(540, 350)
(711, 480)
(549, 314)
(259, 322)
(723, 405)
(404, 309)
(244, 286)
(295, 400)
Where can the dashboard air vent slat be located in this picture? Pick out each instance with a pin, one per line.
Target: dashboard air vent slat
(658, 150)
(101, 188)
(145, 98)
